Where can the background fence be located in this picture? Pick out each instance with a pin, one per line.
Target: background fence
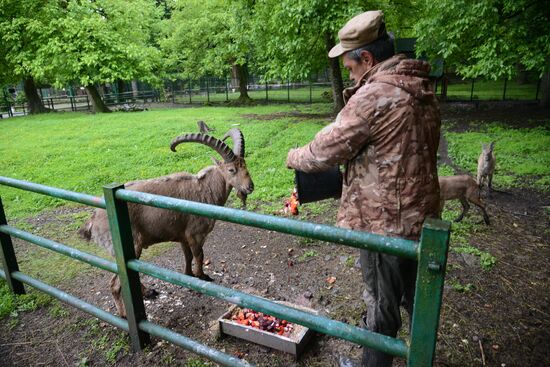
(214, 90)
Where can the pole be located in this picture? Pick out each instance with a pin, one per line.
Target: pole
(207, 91)
(310, 85)
(504, 92)
(226, 90)
(472, 90)
(123, 246)
(288, 90)
(190, 90)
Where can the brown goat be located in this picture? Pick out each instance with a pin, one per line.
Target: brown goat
(150, 225)
(486, 165)
(463, 188)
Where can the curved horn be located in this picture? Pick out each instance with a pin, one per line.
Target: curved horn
(238, 141)
(218, 145)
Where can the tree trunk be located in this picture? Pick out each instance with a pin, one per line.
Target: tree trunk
(97, 102)
(335, 75)
(242, 75)
(545, 90)
(34, 103)
(120, 88)
(135, 88)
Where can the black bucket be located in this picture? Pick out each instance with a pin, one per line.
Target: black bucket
(318, 185)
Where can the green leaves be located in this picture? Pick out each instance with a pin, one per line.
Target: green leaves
(486, 38)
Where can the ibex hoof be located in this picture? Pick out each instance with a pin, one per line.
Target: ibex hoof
(206, 277)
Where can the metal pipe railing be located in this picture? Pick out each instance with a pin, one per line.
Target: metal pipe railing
(90, 200)
(60, 248)
(71, 300)
(322, 324)
(430, 251)
(362, 240)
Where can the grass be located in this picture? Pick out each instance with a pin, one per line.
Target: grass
(522, 155)
(82, 152)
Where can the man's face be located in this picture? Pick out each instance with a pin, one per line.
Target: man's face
(357, 69)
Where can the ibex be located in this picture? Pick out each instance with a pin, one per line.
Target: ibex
(463, 188)
(150, 225)
(486, 165)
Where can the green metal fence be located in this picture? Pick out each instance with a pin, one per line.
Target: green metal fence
(430, 252)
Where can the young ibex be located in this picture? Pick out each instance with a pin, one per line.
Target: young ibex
(150, 225)
(486, 165)
(465, 189)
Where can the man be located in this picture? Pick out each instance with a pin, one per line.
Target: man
(386, 136)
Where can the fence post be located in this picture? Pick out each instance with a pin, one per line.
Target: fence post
(538, 89)
(310, 86)
(432, 261)
(9, 261)
(504, 92)
(266, 89)
(123, 245)
(226, 90)
(53, 107)
(87, 102)
(190, 91)
(288, 90)
(472, 90)
(207, 91)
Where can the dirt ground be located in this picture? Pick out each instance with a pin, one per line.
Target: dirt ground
(501, 320)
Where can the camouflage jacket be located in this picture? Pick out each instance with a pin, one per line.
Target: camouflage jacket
(386, 137)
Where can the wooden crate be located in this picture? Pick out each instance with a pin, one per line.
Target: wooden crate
(294, 344)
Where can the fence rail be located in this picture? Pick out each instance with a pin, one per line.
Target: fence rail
(430, 251)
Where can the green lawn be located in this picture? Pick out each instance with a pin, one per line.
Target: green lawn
(82, 152)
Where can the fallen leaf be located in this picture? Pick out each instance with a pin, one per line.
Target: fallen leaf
(515, 225)
(207, 262)
(495, 346)
(331, 280)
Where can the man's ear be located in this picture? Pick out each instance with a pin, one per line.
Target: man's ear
(368, 58)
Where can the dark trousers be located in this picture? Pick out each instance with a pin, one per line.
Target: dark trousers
(390, 282)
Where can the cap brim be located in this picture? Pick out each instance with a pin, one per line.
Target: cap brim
(336, 51)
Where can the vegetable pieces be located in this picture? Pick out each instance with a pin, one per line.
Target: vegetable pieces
(259, 320)
(291, 205)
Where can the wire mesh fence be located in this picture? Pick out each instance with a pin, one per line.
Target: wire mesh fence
(212, 90)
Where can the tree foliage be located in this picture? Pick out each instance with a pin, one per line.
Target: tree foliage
(101, 41)
(207, 37)
(486, 38)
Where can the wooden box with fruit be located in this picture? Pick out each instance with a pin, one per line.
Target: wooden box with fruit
(266, 330)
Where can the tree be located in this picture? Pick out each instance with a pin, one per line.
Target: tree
(24, 27)
(295, 36)
(101, 41)
(488, 38)
(209, 37)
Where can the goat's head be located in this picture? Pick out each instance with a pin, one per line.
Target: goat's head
(233, 167)
(487, 151)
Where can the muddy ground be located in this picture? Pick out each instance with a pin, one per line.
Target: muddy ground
(501, 319)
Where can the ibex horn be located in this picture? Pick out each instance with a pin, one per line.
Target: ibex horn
(218, 145)
(238, 141)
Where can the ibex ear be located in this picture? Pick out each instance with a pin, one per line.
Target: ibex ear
(215, 161)
(492, 145)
